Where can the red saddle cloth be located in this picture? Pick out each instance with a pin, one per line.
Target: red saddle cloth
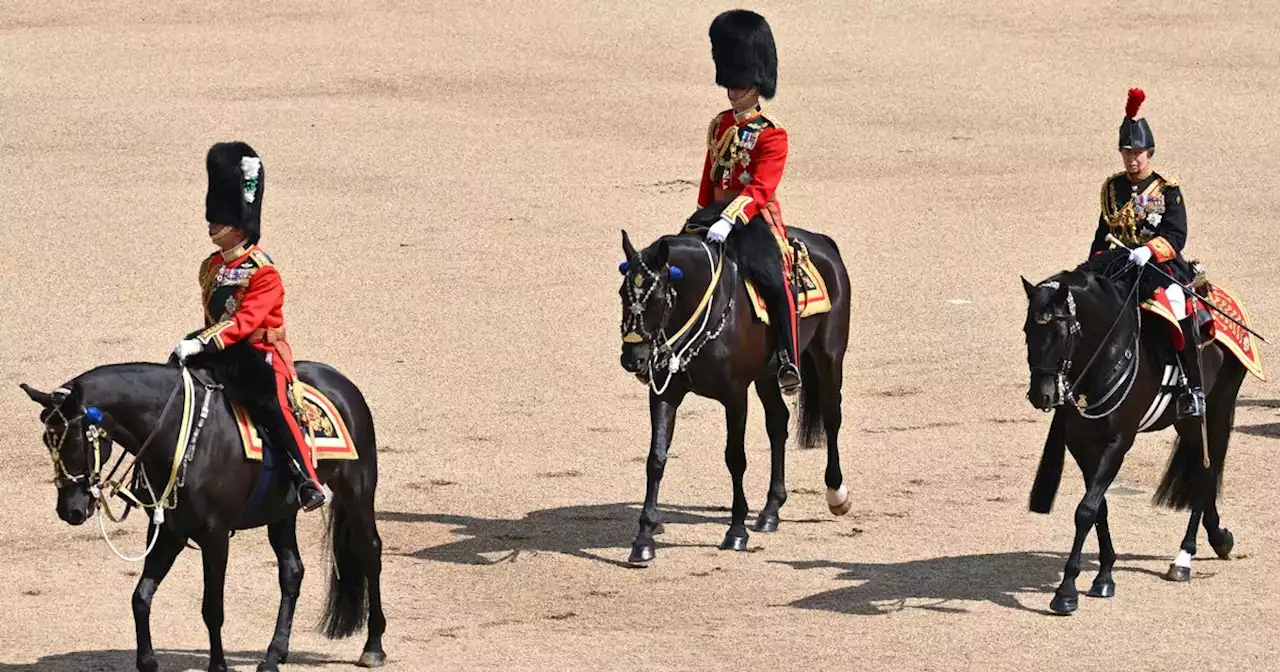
(1237, 341)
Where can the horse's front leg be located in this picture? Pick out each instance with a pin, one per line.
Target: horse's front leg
(735, 458)
(283, 536)
(159, 561)
(1066, 598)
(776, 417)
(213, 546)
(662, 424)
(1104, 584)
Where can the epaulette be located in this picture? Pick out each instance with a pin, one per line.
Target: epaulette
(770, 120)
(1106, 189)
(261, 258)
(1169, 180)
(712, 128)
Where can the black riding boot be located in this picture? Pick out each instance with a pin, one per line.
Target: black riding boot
(788, 372)
(1191, 402)
(272, 421)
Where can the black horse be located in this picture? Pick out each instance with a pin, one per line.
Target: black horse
(723, 350)
(1107, 377)
(126, 404)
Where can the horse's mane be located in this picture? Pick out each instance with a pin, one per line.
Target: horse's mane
(1109, 272)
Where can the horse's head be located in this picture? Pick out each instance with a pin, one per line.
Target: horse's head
(1052, 334)
(648, 297)
(74, 437)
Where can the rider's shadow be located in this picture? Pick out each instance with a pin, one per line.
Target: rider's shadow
(117, 660)
(944, 584)
(571, 530)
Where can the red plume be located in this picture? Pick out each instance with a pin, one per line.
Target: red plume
(1136, 96)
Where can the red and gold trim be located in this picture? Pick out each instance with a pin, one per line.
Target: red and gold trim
(735, 211)
(1161, 249)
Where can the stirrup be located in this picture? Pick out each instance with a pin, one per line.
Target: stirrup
(789, 378)
(1191, 403)
(311, 495)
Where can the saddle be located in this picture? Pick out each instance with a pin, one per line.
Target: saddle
(799, 272)
(1212, 325)
(319, 419)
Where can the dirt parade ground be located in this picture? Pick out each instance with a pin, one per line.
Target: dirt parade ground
(448, 183)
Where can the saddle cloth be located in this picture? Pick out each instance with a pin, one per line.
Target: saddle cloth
(321, 422)
(1237, 341)
(812, 297)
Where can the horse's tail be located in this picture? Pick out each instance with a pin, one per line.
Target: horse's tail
(346, 607)
(811, 426)
(1186, 482)
(1049, 473)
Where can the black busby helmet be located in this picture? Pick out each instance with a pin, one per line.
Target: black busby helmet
(1134, 132)
(236, 181)
(742, 47)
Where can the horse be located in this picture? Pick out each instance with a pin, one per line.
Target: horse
(684, 280)
(128, 404)
(1086, 326)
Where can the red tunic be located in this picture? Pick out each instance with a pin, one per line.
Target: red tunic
(244, 301)
(746, 155)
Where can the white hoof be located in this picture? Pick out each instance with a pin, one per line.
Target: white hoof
(838, 500)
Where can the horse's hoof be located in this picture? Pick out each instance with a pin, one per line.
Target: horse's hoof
(268, 667)
(839, 501)
(733, 543)
(1064, 604)
(766, 524)
(1178, 574)
(148, 664)
(1228, 544)
(1102, 588)
(218, 667)
(372, 659)
(641, 554)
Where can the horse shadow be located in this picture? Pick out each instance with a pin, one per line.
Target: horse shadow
(941, 584)
(570, 530)
(169, 659)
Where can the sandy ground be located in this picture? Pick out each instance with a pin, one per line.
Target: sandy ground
(446, 184)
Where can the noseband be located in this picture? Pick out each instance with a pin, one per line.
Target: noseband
(94, 435)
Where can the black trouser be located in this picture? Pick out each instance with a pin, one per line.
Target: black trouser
(250, 382)
(755, 249)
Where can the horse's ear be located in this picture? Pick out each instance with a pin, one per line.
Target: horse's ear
(43, 398)
(1063, 293)
(663, 252)
(627, 248)
(1027, 287)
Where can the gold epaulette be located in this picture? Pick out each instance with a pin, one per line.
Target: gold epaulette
(1106, 191)
(711, 131)
(1169, 180)
(260, 258)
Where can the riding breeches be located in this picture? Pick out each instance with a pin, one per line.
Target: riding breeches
(759, 258)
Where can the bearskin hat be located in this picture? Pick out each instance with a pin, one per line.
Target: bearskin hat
(743, 50)
(236, 181)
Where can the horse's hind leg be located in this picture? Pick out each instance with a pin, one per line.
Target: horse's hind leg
(159, 561)
(283, 535)
(735, 458)
(1104, 585)
(776, 417)
(1180, 570)
(1220, 538)
(370, 553)
(830, 382)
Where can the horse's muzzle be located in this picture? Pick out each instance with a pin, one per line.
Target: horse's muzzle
(635, 356)
(1045, 393)
(75, 505)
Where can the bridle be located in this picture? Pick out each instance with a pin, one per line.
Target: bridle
(1108, 402)
(665, 355)
(94, 436)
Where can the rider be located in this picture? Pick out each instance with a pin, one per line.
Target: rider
(1145, 210)
(746, 154)
(244, 331)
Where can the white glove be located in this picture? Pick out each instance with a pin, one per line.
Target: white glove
(720, 230)
(187, 348)
(1140, 255)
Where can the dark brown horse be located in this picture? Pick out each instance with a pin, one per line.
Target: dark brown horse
(1106, 377)
(688, 326)
(125, 405)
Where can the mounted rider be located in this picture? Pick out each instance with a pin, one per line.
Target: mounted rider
(244, 334)
(746, 155)
(1146, 211)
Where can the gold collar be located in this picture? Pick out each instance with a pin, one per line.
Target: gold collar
(234, 253)
(746, 115)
